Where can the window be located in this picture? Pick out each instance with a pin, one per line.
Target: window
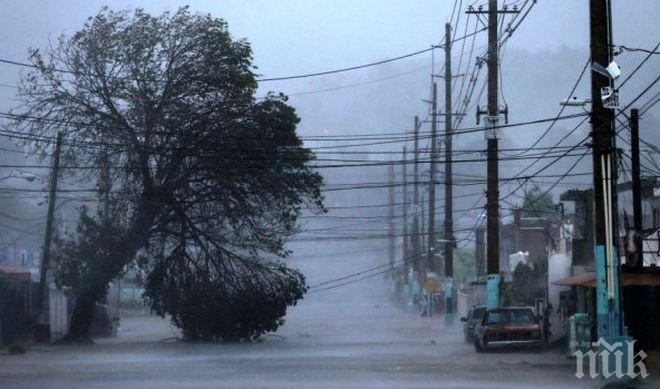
(524, 316)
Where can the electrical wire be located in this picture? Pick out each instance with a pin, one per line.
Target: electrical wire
(563, 107)
(641, 63)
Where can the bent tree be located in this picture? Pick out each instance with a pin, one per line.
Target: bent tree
(204, 181)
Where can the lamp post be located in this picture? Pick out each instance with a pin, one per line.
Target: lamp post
(29, 177)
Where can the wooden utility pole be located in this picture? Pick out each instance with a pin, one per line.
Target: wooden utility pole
(492, 169)
(431, 249)
(416, 225)
(416, 165)
(636, 187)
(405, 218)
(392, 253)
(105, 185)
(492, 191)
(43, 303)
(608, 307)
(636, 259)
(449, 221)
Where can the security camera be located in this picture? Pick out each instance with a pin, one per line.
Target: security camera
(612, 71)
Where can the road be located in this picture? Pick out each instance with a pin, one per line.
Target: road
(346, 337)
(350, 345)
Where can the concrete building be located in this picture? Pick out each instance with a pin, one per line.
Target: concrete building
(533, 235)
(641, 285)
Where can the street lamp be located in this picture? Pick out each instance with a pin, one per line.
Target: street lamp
(29, 177)
(575, 102)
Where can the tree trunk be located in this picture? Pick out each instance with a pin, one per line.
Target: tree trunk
(123, 252)
(81, 319)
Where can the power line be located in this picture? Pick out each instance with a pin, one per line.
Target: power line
(637, 49)
(341, 70)
(335, 138)
(357, 280)
(218, 167)
(642, 93)
(282, 78)
(561, 110)
(350, 275)
(368, 82)
(642, 62)
(649, 104)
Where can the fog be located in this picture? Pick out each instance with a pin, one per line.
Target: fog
(539, 65)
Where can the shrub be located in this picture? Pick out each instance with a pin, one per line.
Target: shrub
(209, 305)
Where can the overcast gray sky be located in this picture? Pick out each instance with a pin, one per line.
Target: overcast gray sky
(289, 37)
(297, 36)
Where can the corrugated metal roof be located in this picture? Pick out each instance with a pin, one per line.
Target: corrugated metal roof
(13, 270)
(589, 279)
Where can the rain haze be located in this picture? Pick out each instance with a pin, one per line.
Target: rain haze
(177, 211)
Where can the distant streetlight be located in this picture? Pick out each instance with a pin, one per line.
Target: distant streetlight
(29, 177)
(574, 102)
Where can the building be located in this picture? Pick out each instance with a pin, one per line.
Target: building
(535, 236)
(641, 284)
(15, 304)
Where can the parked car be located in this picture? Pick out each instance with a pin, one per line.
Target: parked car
(474, 316)
(508, 326)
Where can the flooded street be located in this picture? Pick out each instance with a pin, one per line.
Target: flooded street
(346, 337)
(346, 345)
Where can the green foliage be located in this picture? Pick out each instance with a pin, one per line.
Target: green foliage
(89, 262)
(505, 288)
(538, 203)
(199, 165)
(464, 265)
(527, 284)
(207, 307)
(16, 349)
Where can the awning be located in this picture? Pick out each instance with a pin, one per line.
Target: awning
(582, 279)
(641, 279)
(588, 279)
(15, 273)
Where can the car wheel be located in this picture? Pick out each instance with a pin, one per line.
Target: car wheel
(477, 346)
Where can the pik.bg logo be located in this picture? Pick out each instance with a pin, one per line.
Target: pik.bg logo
(609, 353)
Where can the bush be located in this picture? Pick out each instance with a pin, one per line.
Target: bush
(527, 284)
(210, 305)
(16, 349)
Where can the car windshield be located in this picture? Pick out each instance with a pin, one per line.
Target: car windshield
(478, 313)
(511, 316)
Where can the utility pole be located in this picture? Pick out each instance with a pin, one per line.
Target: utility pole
(105, 185)
(418, 210)
(431, 263)
(43, 303)
(405, 220)
(636, 187)
(602, 120)
(492, 170)
(416, 165)
(392, 254)
(449, 221)
(492, 194)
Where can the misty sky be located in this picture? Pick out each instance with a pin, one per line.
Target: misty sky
(298, 36)
(540, 64)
